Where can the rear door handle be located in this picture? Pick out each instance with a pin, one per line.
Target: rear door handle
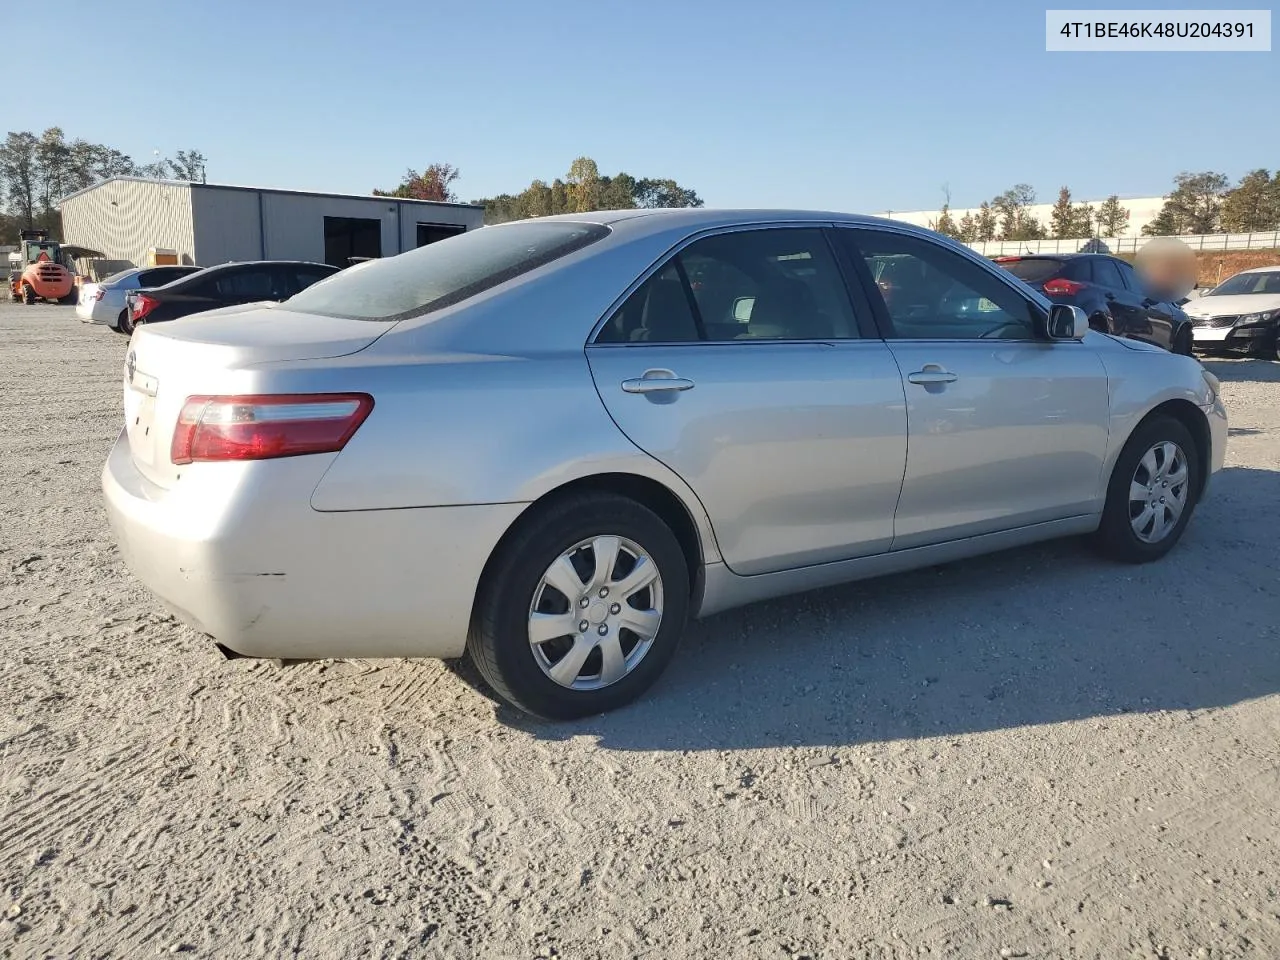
(656, 381)
(932, 373)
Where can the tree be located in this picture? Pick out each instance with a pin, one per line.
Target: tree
(945, 224)
(584, 185)
(1062, 220)
(19, 171)
(187, 165)
(584, 189)
(1016, 221)
(1112, 218)
(435, 182)
(1254, 204)
(984, 224)
(664, 193)
(1082, 216)
(618, 193)
(1194, 206)
(967, 228)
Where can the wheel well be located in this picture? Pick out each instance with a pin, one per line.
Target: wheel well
(1191, 417)
(649, 493)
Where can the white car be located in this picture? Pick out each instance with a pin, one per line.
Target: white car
(1240, 315)
(105, 302)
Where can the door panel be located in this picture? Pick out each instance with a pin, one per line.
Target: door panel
(1018, 437)
(796, 449)
(1005, 428)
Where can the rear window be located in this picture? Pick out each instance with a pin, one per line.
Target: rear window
(1033, 271)
(444, 273)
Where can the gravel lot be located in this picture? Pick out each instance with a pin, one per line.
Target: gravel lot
(1036, 754)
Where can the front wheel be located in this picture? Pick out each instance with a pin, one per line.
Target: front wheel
(28, 295)
(582, 609)
(1152, 493)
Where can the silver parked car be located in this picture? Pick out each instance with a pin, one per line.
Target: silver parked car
(104, 302)
(546, 444)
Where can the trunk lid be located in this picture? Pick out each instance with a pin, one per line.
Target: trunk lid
(215, 353)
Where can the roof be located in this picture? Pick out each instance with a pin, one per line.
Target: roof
(246, 189)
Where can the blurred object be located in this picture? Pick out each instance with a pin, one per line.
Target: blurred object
(1168, 268)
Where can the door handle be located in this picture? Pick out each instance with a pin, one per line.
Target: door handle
(656, 381)
(932, 373)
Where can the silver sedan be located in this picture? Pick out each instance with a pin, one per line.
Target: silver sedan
(545, 445)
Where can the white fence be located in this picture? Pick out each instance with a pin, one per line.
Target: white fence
(1265, 240)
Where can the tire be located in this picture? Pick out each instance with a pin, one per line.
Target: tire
(126, 325)
(1268, 350)
(28, 295)
(1119, 537)
(558, 542)
(121, 320)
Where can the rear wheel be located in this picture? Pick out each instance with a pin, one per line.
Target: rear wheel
(582, 609)
(126, 324)
(1152, 493)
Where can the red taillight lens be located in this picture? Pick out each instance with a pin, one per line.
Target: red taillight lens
(141, 306)
(1062, 288)
(1007, 259)
(262, 427)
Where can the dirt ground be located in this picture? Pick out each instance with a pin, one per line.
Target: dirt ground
(1035, 754)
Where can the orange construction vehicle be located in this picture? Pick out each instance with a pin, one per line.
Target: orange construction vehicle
(36, 270)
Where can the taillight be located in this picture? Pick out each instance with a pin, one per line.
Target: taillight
(140, 306)
(1006, 259)
(99, 293)
(1063, 288)
(262, 427)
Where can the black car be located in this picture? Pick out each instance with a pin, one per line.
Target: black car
(223, 286)
(1109, 291)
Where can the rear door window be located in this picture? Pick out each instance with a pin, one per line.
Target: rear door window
(254, 283)
(774, 284)
(1106, 274)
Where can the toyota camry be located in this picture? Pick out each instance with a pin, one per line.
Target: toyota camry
(545, 445)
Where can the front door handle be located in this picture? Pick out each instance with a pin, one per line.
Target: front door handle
(656, 381)
(932, 373)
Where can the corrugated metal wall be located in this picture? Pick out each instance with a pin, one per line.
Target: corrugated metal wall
(209, 224)
(226, 225)
(124, 218)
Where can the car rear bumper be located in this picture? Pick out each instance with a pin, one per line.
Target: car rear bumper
(239, 554)
(95, 311)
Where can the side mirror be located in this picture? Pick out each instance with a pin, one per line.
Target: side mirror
(1067, 322)
(742, 308)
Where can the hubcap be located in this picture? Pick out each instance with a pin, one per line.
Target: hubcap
(1158, 492)
(595, 613)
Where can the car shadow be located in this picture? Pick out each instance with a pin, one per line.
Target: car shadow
(1045, 634)
(1243, 369)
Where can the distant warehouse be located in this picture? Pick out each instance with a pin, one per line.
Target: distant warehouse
(208, 224)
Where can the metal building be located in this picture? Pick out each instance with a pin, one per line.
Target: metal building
(208, 224)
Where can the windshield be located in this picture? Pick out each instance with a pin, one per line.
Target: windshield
(445, 272)
(1266, 282)
(1033, 271)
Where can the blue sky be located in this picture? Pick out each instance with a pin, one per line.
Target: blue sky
(847, 105)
